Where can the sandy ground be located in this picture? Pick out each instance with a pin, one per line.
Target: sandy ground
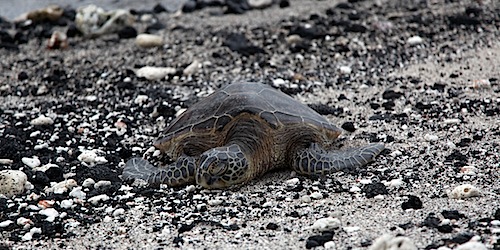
(440, 127)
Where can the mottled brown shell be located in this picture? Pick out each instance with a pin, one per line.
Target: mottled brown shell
(215, 111)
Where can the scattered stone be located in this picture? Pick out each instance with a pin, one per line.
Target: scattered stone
(51, 214)
(98, 198)
(93, 21)
(292, 182)
(415, 40)
(348, 126)
(127, 32)
(67, 204)
(389, 242)
(42, 120)
(464, 191)
(31, 162)
(374, 189)
(214, 202)
(148, 40)
(118, 212)
(192, 68)
(346, 70)
(272, 226)
(89, 182)
(78, 193)
(472, 245)
(50, 13)
(318, 240)
(90, 157)
(102, 184)
(316, 195)
(326, 224)
(431, 138)
(61, 187)
(12, 182)
(155, 73)
(6, 223)
(413, 202)
(260, 4)
(239, 43)
(58, 40)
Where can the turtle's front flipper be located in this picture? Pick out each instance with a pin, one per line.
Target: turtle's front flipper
(317, 161)
(175, 174)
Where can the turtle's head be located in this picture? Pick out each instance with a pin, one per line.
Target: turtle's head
(222, 167)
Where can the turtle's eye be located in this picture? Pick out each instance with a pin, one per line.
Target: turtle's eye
(218, 168)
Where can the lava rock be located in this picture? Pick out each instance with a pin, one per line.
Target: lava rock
(272, 226)
(349, 126)
(373, 189)
(391, 94)
(318, 240)
(452, 214)
(413, 202)
(239, 43)
(127, 32)
(431, 221)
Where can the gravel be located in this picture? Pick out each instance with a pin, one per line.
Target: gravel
(422, 77)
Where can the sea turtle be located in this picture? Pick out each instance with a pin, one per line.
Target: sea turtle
(241, 132)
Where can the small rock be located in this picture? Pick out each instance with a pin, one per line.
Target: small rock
(214, 202)
(316, 195)
(431, 138)
(98, 198)
(42, 120)
(5, 223)
(464, 191)
(192, 68)
(346, 70)
(90, 156)
(6, 162)
(51, 214)
(78, 193)
(305, 199)
(413, 202)
(29, 235)
(51, 13)
(272, 226)
(89, 182)
(118, 212)
(94, 21)
(348, 126)
(452, 121)
(148, 40)
(67, 204)
(330, 245)
(293, 39)
(102, 184)
(12, 182)
(127, 32)
(292, 182)
(472, 245)
(278, 82)
(31, 162)
(155, 73)
(415, 40)
(58, 40)
(389, 242)
(61, 187)
(260, 4)
(326, 224)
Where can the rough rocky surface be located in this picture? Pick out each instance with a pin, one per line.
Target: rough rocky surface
(421, 76)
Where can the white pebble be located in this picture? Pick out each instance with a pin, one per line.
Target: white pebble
(431, 138)
(148, 40)
(317, 195)
(141, 99)
(155, 73)
(190, 188)
(305, 199)
(278, 82)
(42, 120)
(415, 40)
(355, 189)
(330, 245)
(31, 162)
(98, 198)
(89, 182)
(351, 229)
(389, 242)
(214, 202)
(5, 223)
(66, 204)
(292, 182)
(51, 214)
(87, 156)
(78, 193)
(365, 181)
(346, 70)
(396, 153)
(118, 212)
(326, 224)
(24, 222)
(12, 182)
(395, 183)
(29, 235)
(451, 121)
(472, 245)
(191, 68)
(107, 219)
(464, 191)
(61, 187)
(102, 184)
(6, 161)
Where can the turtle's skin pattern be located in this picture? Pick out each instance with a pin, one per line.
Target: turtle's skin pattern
(241, 132)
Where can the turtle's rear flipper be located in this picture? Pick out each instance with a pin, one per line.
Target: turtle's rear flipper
(138, 168)
(317, 161)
